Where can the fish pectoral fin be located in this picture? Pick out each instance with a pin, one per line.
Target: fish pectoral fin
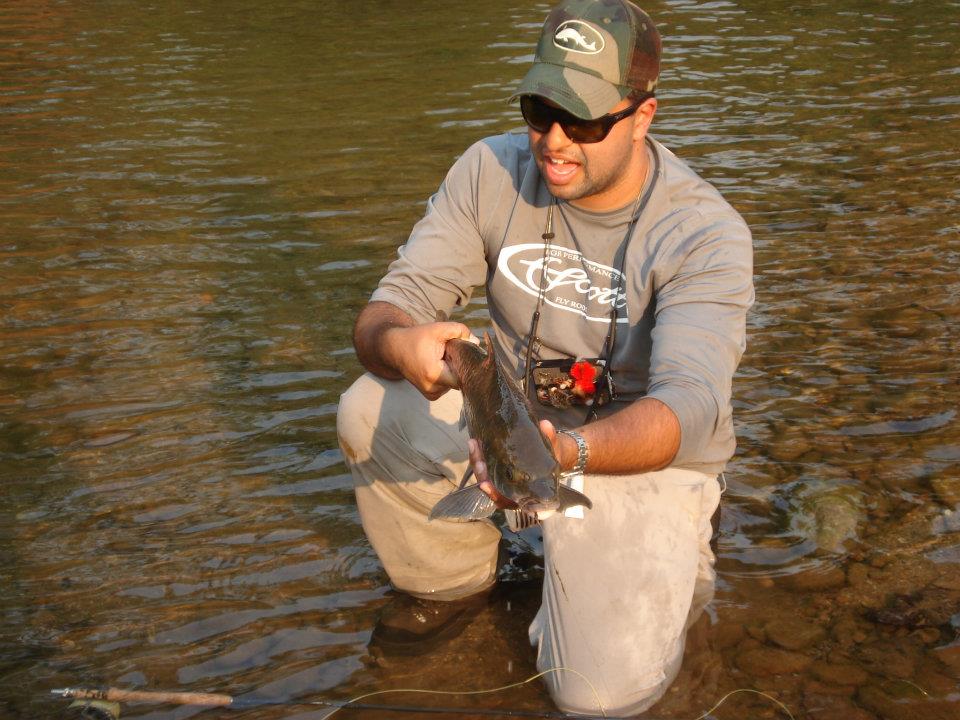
(469, 503)
(571, 498)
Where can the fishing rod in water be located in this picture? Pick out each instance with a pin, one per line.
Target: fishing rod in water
(103, 704)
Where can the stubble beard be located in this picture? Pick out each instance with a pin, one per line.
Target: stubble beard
(591, 182)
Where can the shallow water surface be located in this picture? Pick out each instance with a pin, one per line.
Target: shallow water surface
(197, 199)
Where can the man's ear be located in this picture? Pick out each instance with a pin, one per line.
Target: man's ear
(642, 119)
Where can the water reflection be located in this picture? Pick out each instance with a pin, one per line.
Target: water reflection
(197, 202)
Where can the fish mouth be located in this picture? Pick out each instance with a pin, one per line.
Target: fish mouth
(532, 506)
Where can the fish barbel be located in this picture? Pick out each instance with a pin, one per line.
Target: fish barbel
(520, 460)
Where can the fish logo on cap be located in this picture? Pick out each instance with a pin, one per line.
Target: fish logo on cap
(577, 36)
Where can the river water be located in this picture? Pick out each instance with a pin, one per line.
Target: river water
(197, 197)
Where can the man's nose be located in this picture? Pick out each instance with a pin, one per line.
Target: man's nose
(556, 138)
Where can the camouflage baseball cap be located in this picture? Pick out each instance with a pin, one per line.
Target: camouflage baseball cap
(592, 54)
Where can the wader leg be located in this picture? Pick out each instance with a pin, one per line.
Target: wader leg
(621, 587)
(405, 453)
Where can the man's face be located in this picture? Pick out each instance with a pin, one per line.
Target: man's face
(596, 176)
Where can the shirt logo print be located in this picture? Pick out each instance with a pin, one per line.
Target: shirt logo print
(570, 281)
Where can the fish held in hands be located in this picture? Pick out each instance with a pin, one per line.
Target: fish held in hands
(519, 458)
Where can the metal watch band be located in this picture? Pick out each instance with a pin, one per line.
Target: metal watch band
(582, 452)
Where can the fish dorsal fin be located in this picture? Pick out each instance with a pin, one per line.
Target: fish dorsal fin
(571, 498)
(477, 350)
(488, 343)
(469, 503)
(488, 348)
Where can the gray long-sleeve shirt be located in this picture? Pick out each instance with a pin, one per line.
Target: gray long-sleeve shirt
(685, 293)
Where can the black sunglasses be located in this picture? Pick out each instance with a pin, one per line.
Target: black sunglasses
(541, 117)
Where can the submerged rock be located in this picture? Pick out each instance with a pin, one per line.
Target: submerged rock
(903, 701)
(839, 673)
(765, 661)
(947, 522)
(949, 655)
(836, 518)
(793, 633)
(947, 490)
(820, 577)
(826, 706)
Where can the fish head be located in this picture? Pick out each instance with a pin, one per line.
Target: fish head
(530, 474)
(529, 492)
(542, 508)
(543, 494)
(510, 480)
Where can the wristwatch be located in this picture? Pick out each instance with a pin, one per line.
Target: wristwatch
(583, 453)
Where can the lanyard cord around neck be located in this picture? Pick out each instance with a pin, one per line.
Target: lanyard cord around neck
(607, 350)
(547, 236)
(603, 381)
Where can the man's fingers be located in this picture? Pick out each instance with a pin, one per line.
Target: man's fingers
(434, 394)
(451, 330)
(552, 436)
(480, 472)
(445, 332)
(476, 452)
(479, 466)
